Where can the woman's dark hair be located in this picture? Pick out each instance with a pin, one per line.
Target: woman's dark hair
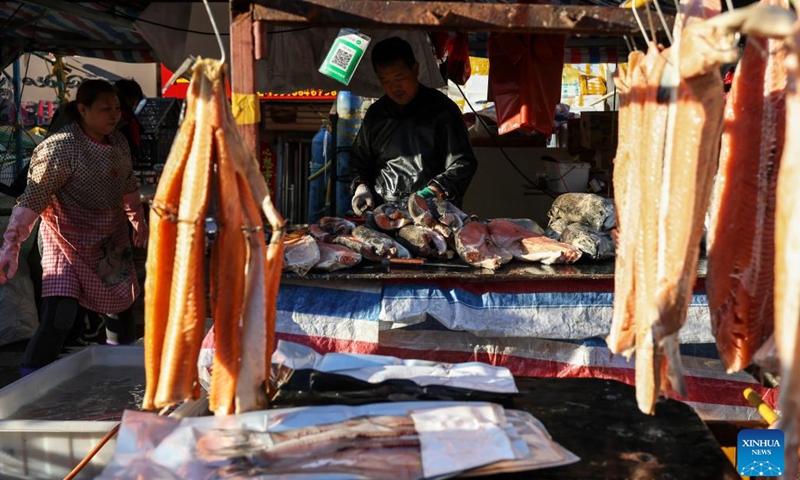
(390, 50)
(87, 94)
(129, 90)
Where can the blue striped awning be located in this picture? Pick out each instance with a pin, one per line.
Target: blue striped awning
(68, 30)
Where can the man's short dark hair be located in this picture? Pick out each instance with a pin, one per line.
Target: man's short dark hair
(390, 50)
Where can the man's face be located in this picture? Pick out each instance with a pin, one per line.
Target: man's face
(399, 81)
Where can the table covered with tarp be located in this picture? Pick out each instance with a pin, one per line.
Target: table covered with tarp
(545, 325)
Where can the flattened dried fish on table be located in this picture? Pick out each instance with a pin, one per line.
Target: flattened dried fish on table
(474, 244)
(740, 239)
(527, 246)
(787, 261)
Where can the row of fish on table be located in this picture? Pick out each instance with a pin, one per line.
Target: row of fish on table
(436, 229)
(687, 159)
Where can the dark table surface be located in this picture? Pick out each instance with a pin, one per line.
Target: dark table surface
(514, 271)
(598, 420)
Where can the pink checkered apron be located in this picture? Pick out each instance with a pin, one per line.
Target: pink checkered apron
(87, 255)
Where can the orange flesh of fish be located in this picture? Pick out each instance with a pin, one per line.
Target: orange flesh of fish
(648, 355)
(230, 251)
(178, 378)
(787, 265)
(176, 294)
(160, 257)
(251, 388)
(622, 336)
(741, 245)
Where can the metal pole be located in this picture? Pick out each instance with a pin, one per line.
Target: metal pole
(18, 120)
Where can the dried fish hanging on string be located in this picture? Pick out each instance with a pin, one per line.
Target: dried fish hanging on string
(244, 272)
(741, 232)
(666, 162)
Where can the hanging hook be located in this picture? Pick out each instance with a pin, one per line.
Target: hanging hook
(639, 21)
(663, 21)
(216, 31)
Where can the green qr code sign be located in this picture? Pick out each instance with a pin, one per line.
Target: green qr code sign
(345, 55)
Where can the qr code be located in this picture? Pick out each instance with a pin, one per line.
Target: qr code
(343, 56)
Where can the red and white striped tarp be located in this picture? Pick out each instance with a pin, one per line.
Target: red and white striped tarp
(518, 325)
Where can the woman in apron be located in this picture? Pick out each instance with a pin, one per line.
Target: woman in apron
(81, 184)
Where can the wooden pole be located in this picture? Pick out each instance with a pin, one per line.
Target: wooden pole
(244, 97)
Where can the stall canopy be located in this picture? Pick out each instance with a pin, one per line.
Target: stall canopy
(103, 30)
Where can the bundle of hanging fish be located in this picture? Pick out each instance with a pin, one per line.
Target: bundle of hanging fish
(421, 228)
(210, 172)
(584, 220)
(670, 122)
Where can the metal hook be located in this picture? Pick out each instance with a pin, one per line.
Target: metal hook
(216, 31)
(639, 21)
(729, 3)
(663, 21)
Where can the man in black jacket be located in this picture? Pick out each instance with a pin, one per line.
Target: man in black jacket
(412, 140)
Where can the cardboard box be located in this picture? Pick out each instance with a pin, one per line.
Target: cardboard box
(599, 130)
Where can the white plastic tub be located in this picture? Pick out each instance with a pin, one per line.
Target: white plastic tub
(567, 177)
(50, 449)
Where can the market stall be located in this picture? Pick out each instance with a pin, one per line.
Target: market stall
(535, 320)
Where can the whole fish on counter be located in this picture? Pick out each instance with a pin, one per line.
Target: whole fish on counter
(474, 244)
(300, 253)
(596, 245)
(593, 210)
(528, 246)
(740, 239)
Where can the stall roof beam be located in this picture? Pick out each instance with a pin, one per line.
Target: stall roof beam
(83, 12)
(448, 16)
